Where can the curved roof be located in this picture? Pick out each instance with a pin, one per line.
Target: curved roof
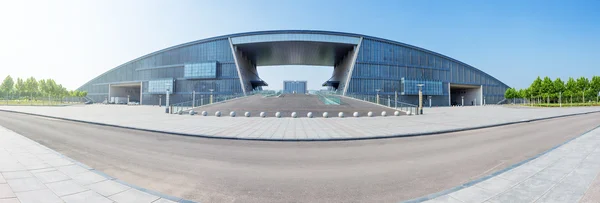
(297, 32)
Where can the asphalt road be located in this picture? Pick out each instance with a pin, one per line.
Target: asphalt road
(212, 170)
(288, 103)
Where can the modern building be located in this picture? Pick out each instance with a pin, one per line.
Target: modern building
(361, 65)
(294, 87)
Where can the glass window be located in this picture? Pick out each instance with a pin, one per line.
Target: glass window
(200, 70)
(160, 86)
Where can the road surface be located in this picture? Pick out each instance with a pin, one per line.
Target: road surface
(214, 170)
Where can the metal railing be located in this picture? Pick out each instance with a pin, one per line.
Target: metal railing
(205, 100)
(328, 97)
(391, 102)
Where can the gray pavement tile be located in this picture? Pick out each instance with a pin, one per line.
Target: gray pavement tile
(10, 200)
(25, 184)
(59, 162)
(51, 176)
(6, 191)
(527, 191)
(72, 170)
(472, 194)
(38, 196)
(443, 199)
(496, 184)
(49, 156)
(520, 173)
(563, 193)
(42, 170)
(163, 200)
(66, 187)
(2, 180)
(37, 166)
(86, 197)
(8, 167)
(133, 196)
(87, 178)
(108, 187)
(552, 174)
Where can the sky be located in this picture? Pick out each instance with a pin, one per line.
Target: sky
(514, 41)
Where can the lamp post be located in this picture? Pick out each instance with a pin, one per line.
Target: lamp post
(389, 101)
(193, 98)
(396, 99)
(377, 97)
(462, 100)
(420, 98)
(211, 95)
(128, 99)
(560, 99)
(429, 101)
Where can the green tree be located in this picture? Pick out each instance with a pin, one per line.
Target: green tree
(595, 84)
(536, 87)
(7, 85)
(31, 86)
(582, 85)
(20, 86)
(547, 88)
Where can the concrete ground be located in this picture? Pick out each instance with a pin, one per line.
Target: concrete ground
(216, 170)
(299, 103)
(434, 120)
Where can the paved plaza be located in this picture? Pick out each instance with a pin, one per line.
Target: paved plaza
(33, 173)
(561, 175)
(434, 120)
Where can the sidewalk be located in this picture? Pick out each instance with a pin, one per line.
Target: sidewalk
(435, 120)
(561, 175)
(33, 173)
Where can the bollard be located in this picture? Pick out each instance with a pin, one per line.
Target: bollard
(263, 114)
(192, 112)
(408, 113)
(294, 115)
(341, 114)
(309, 114)
(247, 114)
(355, 114)
(383, 113)
(278, 114)
(204, 113)
(218, 114)
(180, 112)
(232, 114)
(396, 113)
(370, 114)
(325, 115)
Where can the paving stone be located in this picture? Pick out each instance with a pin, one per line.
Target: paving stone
(496, 184)
(108, 187)
(38, 196)
(72, 170)
(87, 178)
(10, 200)
(2, 180)
(527, 191)
(6, 191)
(563, 193)
(163, 200)
(66, 187)
(443, 199)
(25, 184)
(51, 176)
(472, 194)
(58, 162)
(133, 196)
(86, 197)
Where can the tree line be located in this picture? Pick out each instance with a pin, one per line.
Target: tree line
(547, 90)
(30, 87)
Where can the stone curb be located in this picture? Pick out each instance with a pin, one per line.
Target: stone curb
(451, 190)
(311, 140)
